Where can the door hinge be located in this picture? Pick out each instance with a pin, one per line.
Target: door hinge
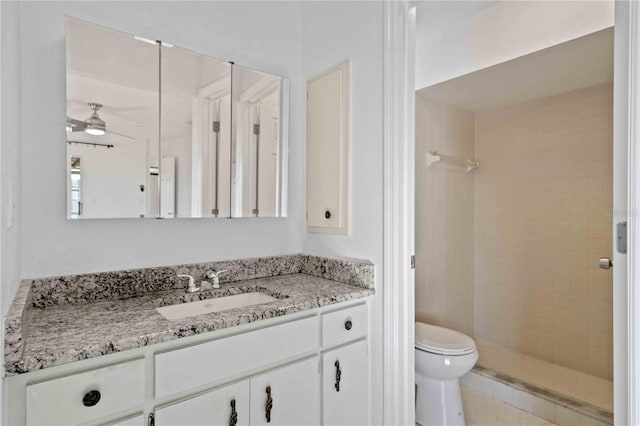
(216, 127)
(621, 237)
(256, 129)
(413, 261)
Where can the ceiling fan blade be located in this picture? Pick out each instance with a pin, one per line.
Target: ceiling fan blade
(75, 123)
(120, 134)
(108, 106)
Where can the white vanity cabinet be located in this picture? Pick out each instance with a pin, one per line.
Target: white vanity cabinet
(228, 405)
(280, 371)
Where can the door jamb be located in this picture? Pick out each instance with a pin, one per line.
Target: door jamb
(398, 188)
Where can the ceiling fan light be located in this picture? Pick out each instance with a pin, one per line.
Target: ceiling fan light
(95, 125)
(94, 131)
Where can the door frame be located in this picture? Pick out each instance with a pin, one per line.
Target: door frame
(626, 281)
(398, 187)
(398, 213)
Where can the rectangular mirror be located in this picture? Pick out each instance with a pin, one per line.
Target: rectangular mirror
(158, 131)
(259, 150)
(112, 123)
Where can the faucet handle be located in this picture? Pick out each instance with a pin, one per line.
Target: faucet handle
(215, 274)
(192, 283)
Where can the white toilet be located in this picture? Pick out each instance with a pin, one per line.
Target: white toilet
(442, 357)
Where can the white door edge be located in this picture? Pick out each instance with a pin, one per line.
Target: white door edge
(626, 278)
(398, 277)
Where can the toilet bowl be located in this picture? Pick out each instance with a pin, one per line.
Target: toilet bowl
(442, 356)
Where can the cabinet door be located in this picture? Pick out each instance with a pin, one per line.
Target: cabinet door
(212, 408)
(345, 385)
(292, 393)
(328, 152)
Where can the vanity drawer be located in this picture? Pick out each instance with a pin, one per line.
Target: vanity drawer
(214, 361)
(344, 325)
(87, 396)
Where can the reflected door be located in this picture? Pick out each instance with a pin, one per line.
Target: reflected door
(257, 149)
(195, 111)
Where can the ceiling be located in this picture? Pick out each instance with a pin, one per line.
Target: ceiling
(433, 16)
(121, 73)
(582, 62)
(105, 54)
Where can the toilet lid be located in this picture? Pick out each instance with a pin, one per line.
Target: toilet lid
(441, 340)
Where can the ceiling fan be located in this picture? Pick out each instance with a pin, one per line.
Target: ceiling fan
(93, 125)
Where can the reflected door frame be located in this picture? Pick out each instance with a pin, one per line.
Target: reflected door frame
(247, 115)
(202, 132)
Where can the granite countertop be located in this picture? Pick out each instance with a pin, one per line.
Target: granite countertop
(61, 333)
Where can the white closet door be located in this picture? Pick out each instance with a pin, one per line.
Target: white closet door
(168, 187)
(328, 152)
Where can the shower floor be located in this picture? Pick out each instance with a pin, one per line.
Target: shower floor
(562, 385)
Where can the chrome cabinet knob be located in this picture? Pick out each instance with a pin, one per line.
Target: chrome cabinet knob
(605, 263)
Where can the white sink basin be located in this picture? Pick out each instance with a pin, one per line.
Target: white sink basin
(184, 310)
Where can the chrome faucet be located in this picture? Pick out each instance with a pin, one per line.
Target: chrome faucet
(192, 283)
(214, 276)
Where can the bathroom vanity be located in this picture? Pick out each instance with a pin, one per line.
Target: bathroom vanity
(78, 352)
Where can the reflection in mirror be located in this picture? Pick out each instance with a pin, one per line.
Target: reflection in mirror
(75, 195)
(195, 141)
(259, 123)
(158, 131)
(112, 123)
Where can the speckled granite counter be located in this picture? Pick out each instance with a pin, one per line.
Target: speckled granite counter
(45, 326)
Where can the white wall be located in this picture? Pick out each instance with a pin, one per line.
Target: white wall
(10, 244)
(10, 210)
(543, 199)
(264, 36)
(334, 32)
(110, 179)
(505, 30)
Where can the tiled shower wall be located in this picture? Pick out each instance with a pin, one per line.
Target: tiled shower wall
(543, 198)
(444, 217)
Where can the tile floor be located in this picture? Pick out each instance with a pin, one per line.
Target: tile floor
(481, 409)
(565, 381)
